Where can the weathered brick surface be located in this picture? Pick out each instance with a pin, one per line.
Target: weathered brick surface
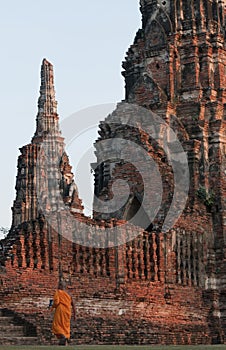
(14, 330)
(158, 288)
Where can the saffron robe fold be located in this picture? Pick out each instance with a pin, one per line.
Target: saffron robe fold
(62, 316)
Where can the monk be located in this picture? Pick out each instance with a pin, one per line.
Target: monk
(63, 305)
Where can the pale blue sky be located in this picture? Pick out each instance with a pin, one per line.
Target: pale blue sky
(85, 40)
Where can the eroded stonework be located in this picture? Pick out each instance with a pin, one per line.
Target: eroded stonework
(161, 287)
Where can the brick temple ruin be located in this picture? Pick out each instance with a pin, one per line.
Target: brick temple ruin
(161, 287)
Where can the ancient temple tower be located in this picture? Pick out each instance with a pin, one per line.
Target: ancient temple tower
(44, 177)
(31, 172)
(176, 68)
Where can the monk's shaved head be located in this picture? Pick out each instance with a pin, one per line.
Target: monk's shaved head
(61, 285)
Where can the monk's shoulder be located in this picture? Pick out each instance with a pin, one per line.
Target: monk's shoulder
(66, 294)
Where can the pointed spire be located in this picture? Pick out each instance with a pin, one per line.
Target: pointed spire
(47, 103)
(47, 117)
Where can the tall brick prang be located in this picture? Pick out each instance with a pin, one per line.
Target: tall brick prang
(176, 69)
(47, 138)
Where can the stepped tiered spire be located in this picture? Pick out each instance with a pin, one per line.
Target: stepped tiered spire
(44, 173)
(47, 118)
(47, 103)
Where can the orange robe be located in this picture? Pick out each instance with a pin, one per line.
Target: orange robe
(62, 316)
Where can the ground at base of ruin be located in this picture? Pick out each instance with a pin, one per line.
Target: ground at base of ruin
(115, 347)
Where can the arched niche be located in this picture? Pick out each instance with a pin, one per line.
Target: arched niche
(155, 35)
(147, 92)
(136, 215)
